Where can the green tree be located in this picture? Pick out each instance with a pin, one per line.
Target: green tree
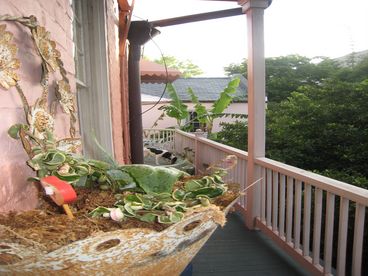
(233, 134)
(187, 68)
(321, 126)
(286, 73)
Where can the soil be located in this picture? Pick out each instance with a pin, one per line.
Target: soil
(49, 228)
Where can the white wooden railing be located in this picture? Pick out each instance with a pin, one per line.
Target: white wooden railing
(319, 221)
(308, 215)
(158, 137)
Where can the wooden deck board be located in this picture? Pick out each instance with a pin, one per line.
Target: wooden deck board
(235, 250)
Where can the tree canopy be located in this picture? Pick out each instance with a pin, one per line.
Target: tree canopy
(187, 68)
(317, 121)
(286, 73)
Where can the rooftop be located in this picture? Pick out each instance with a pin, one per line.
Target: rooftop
(207, 89)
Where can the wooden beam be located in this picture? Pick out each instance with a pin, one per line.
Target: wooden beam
(196, 17)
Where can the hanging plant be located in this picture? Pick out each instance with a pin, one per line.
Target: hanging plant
(151, 194)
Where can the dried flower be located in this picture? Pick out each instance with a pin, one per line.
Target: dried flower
(46, 47)
(8, 62)
(64, 169)
(65, 96)
(39, 121)
(69, 145)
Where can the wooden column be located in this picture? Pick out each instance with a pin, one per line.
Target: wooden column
(254, 10)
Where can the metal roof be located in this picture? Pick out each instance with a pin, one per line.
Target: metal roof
(152, 72)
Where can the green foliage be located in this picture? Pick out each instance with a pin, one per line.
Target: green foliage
(233, 134)
(226, 97)
(320, 126)
(148, 193)
(153, 180)
(200, 109)
(167, 204)
(176, 108)
(285, 74)
(187, 68)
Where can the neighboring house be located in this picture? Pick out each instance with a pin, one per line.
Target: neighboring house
(207, 89)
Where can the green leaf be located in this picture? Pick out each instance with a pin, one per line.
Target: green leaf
(208, 192)
(154, 180)
(225, 97)
(192, 185)
(99, 211)
(54, 158)
(129, 209)
(178, 194)
(199, 108)
(71, 178)
(99, 164)
(149, 217)
(176, 217)
(122, 178)
(14, 130)
(176, 109)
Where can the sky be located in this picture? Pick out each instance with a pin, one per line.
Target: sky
(311, 28)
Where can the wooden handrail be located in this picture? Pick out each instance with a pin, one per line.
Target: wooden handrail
(336, 187)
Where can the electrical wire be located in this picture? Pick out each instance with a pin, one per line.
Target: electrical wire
(167, 77)
(166, 82)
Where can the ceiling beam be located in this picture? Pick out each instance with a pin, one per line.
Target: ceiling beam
(196, 17)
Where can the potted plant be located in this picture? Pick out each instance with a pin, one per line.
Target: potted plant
(123, 219)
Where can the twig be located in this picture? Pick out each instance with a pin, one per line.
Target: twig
(23, 238)
(23, 98)
(251, 185)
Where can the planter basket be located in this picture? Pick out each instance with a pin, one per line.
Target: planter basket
(121, 252)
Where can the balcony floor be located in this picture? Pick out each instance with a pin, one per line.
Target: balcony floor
(235, 250)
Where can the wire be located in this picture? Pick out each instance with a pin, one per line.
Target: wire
(166, 82)
(167, 77)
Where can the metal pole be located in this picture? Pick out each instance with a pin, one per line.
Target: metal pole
(135, 107)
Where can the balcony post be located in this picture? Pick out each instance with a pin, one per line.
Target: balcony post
(254, 10)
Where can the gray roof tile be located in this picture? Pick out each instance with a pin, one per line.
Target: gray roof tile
(207, 89)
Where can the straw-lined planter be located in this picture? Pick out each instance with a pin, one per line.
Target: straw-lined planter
(144, 220)
(121, 252)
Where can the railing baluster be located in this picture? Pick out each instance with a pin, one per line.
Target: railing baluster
(269, 197)
(358, 239)
(306, 218)
(317, 225)
(275, 200)
(330, 210)
(282, 207)
(297, 213)
(343, 232)
(263, 195)
(289, 210)
(282, 215)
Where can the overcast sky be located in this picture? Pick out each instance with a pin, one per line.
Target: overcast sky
(310, 28)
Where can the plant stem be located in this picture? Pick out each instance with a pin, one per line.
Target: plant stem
(23, 98)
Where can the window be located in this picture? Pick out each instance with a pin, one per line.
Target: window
(193, 122)
(91, 72)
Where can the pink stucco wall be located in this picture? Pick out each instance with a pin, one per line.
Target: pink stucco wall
(151, 116)
(56, 15)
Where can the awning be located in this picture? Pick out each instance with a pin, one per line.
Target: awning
(152, 72)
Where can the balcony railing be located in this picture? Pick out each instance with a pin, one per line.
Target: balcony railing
(319, 221)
